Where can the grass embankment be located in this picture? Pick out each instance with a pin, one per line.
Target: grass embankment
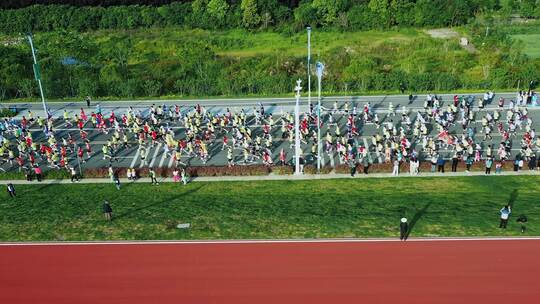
(459, 206)
(530, 44)
(179, 63)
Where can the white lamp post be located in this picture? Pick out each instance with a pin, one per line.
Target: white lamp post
(37, 74)
(297, 89)
(309, 64)
(320, 69)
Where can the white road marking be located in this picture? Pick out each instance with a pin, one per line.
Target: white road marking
(146, 157)
(163, 157)
(171, 162)
(135, 158)
(155, 154)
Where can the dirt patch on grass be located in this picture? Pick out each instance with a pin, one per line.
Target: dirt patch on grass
(443, 33)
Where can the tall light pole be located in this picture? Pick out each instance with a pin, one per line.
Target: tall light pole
(37, 74)
(309, 64)
(320, 69)
(297, 89)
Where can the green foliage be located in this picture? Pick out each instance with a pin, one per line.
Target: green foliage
(168, 61)
(217, 9)
(305, 15)
(250, 13)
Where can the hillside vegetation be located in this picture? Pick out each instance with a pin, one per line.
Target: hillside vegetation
(258, 47)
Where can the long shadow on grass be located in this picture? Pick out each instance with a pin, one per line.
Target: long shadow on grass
(416, 218)
(166, 200)
(513, 198)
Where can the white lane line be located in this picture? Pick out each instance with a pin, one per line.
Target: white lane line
(135, 158)
(155, 154)
(171, 162)
(284, 241)
(148, 152)
(163, 157)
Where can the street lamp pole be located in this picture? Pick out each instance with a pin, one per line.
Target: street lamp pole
(297, 89)
(309, 64)
(320, 69)
(37, 74)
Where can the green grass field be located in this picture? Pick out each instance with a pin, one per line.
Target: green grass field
(458, 206)
(530, 44)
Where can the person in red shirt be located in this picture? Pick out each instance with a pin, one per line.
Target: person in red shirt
(32, 158)
(154, 137)
(88, 149)
(37, 171)
(282, 157)
(80, 154)
(225, 142)
(20, 162)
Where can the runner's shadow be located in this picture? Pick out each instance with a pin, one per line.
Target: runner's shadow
(168, 199)
(416, 218)
(513, 198)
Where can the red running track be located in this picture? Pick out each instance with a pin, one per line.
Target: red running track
(349, 272)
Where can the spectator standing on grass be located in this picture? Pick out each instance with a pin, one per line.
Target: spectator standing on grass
(73, 174)
(365, 165)
(176, 176)
(153, 178)
(116, 179)
(111, 173)
(403, 229)
(352, 166)
(505, 214)
(498, 168)
(37, 171)
(455, 161)
(440, 164)
(11, 190)
(395, 170)
(489, 164)
(433, 163)
(468, 163)
(184, 177)
(107, 211)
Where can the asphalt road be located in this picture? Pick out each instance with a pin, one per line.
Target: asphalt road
(130, 157)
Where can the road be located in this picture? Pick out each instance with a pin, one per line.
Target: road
(158, 158)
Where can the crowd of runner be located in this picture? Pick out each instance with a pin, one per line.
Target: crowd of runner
(254, 136)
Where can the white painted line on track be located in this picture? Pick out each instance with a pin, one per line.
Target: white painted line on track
(277, 241)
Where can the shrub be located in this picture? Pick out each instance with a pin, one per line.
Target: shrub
(283, 170)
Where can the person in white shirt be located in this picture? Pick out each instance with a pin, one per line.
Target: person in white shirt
(395, 171)
(505, 213)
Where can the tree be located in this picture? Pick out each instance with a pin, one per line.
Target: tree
(152, 88)
(217, 9)
(328, 10)
(305, 14)
(250, 13)
(527, 8)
